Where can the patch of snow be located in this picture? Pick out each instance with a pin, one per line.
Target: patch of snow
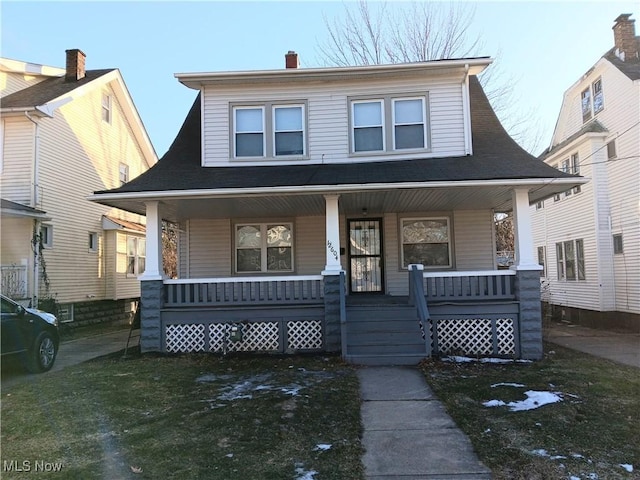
(460, 359)
(628, 467)
(304, 474)
(573, 477)
(503, 384)
(292, 390)
(541, 452)
(210, 377)
(322, 447)
(593, 476)
(535, 399)
(577, 455)
(229, 455)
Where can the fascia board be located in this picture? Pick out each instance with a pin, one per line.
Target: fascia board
(327, 189)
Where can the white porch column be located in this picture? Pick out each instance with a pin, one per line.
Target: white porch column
(525, 259)
(153, 267)
(332, 218)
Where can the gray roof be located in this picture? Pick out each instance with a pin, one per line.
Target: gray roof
(47, 90)
(594, 126)
(495, 156)
(630, 67)
(9, 206)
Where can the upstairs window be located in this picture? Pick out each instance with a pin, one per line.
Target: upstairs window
(106, 108)
(611, 150)
(269, 130)
(598, 98)
(586, 104)
(368, 126)
(46, 236)
(389, 124)
(123, 173)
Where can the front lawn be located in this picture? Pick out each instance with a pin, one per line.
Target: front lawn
(186, 417)
(569, 416)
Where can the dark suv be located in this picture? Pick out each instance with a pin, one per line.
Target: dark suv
(31, 333)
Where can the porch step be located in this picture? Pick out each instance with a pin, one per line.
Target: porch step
(385, 360)
(383, 335)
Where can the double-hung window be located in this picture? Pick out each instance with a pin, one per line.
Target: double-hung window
(389, 124)
(269, 130)
(136, 255)
(266, 247)
(426, 241)
(586, 104)
(598, 98)
(542, 261)
(592, 100)
(106, 108)
(570, 260)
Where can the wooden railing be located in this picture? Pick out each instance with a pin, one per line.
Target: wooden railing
(14, 281)
(484, 285)
(230, 291)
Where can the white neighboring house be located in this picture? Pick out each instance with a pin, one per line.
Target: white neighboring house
(65, 133)
(588, 237)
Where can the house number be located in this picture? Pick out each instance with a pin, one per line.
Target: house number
(332, 249)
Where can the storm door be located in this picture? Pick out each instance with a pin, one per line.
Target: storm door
(365, 256)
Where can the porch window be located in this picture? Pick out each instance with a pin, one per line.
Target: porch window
(570, 260)
(136, 255)
(426, 241)
(264, 248)
(249, 131)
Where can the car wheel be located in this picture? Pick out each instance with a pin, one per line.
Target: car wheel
(43, 353)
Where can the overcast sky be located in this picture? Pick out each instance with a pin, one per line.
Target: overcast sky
(543, 46)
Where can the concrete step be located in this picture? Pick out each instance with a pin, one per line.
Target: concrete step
(380, 360)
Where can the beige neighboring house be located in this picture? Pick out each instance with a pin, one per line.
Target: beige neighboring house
(588, 237)
(65, 133)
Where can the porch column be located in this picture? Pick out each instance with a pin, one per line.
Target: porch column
(527, 281)
(333, 266)
(153, 266)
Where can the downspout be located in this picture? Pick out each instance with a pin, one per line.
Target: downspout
(466, 111)
(34, 204)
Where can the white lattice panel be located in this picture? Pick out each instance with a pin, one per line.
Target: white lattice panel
(304, 334)
(256, 337)
(185, 338)
(469, 336)
(505, 336)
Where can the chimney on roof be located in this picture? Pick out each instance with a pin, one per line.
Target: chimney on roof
(291, 59)
(624, 36)
(75, 65)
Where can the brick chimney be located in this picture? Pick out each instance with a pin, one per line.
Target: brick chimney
(624, 35)
(291, 59)
(75, 65)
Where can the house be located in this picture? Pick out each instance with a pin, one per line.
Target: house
(302, 197)
(588, 237)
(64, 134)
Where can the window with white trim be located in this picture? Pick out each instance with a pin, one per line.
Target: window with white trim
(426, 241)
(136, 255)
(598, 98)
(46, 235)
(123, 173)
(611, 150)
(542, 260)
(93, 242)
(570, 260)
(618, 246)
(106, 108)
(389, 124)
(263, 247)
(585, 101)
(572, 165)
(273, 130)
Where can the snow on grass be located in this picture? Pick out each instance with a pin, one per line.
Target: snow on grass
(322, 447)
(507, 385)
(535, 399)
(459, 359)
(541, 452)
(304, 474)
(628, 467)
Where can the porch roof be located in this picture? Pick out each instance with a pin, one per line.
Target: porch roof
(481, 180)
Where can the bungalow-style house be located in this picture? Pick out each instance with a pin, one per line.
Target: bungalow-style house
(588, 237)
(304, 195)
(64, 134)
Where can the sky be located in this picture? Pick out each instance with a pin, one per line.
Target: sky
(541, 47)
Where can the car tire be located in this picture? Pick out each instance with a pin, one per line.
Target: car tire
(43, 353)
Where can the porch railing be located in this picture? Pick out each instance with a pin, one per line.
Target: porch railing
(480, 285)
(14, 281)
(230, 291)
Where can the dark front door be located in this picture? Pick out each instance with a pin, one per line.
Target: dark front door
(365, 256)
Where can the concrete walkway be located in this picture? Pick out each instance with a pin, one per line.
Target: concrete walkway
(619, 347)
(407, 433)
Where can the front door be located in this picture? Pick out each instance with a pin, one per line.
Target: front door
(365, 256)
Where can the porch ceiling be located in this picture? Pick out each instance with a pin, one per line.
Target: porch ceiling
(376, 202)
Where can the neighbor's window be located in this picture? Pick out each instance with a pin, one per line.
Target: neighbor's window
(389, 124)
(93, 242)
(123, 173)
(586, 104)
(570, 260)
(266, 247)
(368, 126)
(542, 261)
(106, 108)
(618, 246)
(409, 128)
(426, 241)
(598, 98)
(611, 150)
(46, 235)
(136, 255)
